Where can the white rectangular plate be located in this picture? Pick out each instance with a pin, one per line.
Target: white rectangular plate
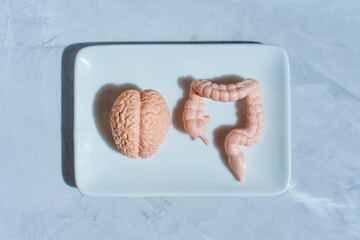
(183, 166)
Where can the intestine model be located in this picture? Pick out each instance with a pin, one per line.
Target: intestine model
(195, 119)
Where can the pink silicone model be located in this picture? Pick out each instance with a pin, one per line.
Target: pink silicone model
(195, 120)
(139, 122)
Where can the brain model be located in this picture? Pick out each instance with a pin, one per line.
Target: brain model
(139, 122)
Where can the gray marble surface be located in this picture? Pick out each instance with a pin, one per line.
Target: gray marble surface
(322, 40)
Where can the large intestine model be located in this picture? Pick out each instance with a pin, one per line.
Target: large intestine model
(195, 119)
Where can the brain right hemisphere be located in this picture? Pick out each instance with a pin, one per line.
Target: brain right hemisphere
(139, 122)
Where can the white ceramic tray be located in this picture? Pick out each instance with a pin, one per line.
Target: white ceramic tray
(183, 166)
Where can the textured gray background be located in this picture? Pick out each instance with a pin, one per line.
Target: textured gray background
(322, 40)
